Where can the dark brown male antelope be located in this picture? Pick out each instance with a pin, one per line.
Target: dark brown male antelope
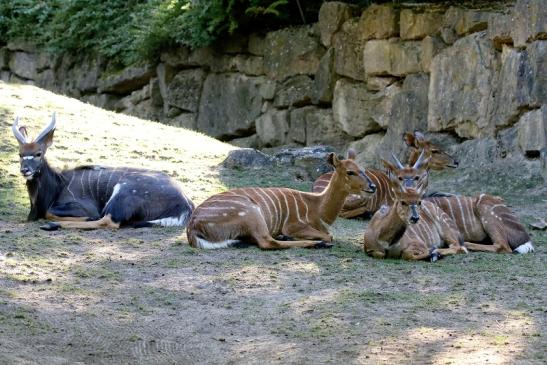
(257, 215)
(356, 205)
(438, 158)
(411, 228)
(486, 218)
(90, 197)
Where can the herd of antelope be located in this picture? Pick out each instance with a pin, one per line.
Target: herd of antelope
(406, 223)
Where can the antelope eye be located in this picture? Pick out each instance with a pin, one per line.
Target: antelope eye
(38, 154)
(405, 203)
(420, 203)
(416, 178)
(351, 173)
(400, 178)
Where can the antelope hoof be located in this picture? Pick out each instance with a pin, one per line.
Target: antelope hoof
(322, 244)
(434, 255)
(50, 226)
(283, 237)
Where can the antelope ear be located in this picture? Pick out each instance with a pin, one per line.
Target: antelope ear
(409, 139)
(333, 160)
(23, 131)
(48, 139)
(351, 154)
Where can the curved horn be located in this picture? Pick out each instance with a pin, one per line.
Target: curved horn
(18, 135)
(47, 129)
(419, 161)
(397, 162)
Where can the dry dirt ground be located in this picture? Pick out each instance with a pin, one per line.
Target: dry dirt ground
(145, 297)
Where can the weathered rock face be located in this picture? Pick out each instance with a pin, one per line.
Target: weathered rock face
(532, 132)
(128, 80)
(419, 25)
(460, 92)
(360, 76)
(185, 88)
(391, 57)
(229, 105)
(295, 91)
(530, 21)
(294, 51)
(23, 65)
(379, 22)
(348, 48)
(352, 108)
(331, 17)
(272, 127)
(246, 158)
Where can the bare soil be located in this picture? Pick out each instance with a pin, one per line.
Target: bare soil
(145, 297)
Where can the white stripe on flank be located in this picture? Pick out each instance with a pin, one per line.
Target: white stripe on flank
(89, 184)
(288, 210)
(525, 248)
(258, 193)
(98, 184)
(306, 206)
(206, 245)
(70, 183)
(115, 192)
(171, 221)
(277, 211)
(297, 210)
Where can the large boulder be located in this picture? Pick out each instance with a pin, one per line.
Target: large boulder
(379, 22)
(185, 88)
(87, 74)
(392, 57)
(520, 84)
(247, 158)
(23, 65)
(348, 59)
(419, 25)
(319, 127)
(431, 46)
(295, 91)
(181, 57)
(332, 15)
(353, 106)
(529, 21)
(499, 29)
(272, 127)
(310, 161)
(130, 79)
(461, 87)
(229, 105)
(292, 51)
(248, 65)
(368, 150)
(325, 78)
(532, 132)
(471, 21)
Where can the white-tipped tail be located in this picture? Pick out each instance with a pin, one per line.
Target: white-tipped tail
(525, 248)
(172, 221)
(206, 245)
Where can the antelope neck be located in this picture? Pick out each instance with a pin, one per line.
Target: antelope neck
(394, 227)
(43, 190)
(333, 198)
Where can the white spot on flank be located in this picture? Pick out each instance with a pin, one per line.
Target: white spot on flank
(134, 191)
(224, 214)
(525, 248)
(241, 214)
(211, 224)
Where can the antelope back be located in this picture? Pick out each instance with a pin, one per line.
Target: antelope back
(32, 152)
(439, 159)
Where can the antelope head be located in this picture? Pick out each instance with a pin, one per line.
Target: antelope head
(355, 179)
(32, 152)
(409, 176)
(408, 202)
(438, 159)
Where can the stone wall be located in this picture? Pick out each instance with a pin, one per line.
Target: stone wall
(358, 77)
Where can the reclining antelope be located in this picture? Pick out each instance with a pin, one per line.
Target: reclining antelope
(90, 197)
(438, 158)
(484, 218)
(356, 205)
(257, 215)
(411, 228)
